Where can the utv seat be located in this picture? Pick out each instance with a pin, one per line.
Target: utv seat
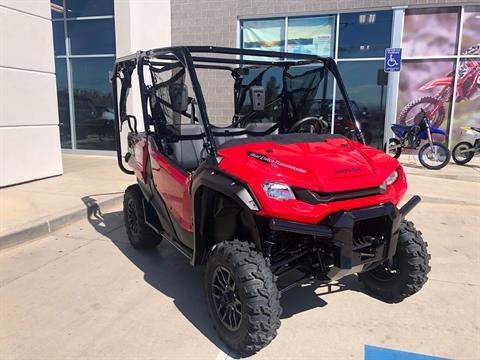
(224, 134)
(261, 127)
(187, 152)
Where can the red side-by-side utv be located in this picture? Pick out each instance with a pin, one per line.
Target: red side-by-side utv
(284, 194)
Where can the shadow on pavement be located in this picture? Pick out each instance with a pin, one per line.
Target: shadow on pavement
(170, 272)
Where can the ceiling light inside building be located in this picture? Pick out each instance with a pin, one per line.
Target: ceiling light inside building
(362, 18)
(372, 18)
(57, 8)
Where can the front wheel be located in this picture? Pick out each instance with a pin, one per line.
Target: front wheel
(242, 297)
(462, 153)
(406, 273)
(434, 157)
(394, 148)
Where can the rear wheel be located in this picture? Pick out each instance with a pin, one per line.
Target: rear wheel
(242, 297)
(406, 273)
(140, 235)
(434, 157)
(394, 148)
(412, 112)
(461, 154)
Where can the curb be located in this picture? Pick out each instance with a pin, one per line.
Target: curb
(35, 230)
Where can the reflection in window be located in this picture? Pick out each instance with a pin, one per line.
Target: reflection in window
(58, 37)
(63, 108)
(93, 103)
(311, 35)
(430, 32)
(366, 84)
(56, 7)
(425, 84)
(92, 36)
(79, 8)
(364, 35)
(264, 34)
(471, 30)
(468, 99)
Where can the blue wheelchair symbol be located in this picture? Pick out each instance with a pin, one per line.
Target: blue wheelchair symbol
(393, 59)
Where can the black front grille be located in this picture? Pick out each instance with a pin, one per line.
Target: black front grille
(315, 197)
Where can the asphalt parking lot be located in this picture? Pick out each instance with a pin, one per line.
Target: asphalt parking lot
(83, 292)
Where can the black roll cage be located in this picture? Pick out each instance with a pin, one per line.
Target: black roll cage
(186, 55)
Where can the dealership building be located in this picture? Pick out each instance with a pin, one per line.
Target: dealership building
(57, 58)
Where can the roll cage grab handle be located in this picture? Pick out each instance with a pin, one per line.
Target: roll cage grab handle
(183, 54)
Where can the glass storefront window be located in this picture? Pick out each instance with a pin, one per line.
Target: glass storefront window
(468, 99)
(63, 104)
(366, 85)
(365, 34)
(93, 103)
(89, 37)
(430, 32)
(86, 76)
(425, 84)
(80, 8)
(471, 28)
(58, 37)
(311, 35)
(264, 34)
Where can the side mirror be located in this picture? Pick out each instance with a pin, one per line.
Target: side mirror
(178, 97)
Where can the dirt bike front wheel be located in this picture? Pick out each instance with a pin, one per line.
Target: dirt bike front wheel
(462, 153)
(394, 148)
(412, 112)
(434, 157)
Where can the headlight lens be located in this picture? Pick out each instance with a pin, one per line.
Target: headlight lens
(278, 191)
(391, 178)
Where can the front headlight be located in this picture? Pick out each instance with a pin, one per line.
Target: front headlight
(390, 179)
(278, 191)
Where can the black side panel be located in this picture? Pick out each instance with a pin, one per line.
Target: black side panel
(160, 209)
(206, 184)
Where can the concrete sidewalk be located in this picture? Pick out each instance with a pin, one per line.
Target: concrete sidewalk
(36, 208)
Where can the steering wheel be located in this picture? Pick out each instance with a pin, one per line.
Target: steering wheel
(312, 124)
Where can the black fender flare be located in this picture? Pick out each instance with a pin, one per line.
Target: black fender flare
(208, 176)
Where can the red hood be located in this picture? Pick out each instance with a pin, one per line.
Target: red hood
(330, 165)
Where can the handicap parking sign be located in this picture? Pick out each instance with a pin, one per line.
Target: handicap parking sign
(393, 59)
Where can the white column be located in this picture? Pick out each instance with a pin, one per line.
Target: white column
(393, 77)
(140, 25)
(29, 134)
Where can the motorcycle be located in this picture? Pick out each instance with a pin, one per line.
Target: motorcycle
(432, 155)
(468, 86)
(464, 151)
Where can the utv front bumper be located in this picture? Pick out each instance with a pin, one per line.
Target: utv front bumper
(360, 238)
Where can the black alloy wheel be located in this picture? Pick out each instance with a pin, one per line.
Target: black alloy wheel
(226, 298)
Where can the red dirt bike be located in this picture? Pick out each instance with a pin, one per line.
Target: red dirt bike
(468, 85)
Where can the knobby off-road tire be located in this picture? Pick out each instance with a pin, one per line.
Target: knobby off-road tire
(426, 103)
(462, 158)
(253, 293)
(411, 263)
(140, 235)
